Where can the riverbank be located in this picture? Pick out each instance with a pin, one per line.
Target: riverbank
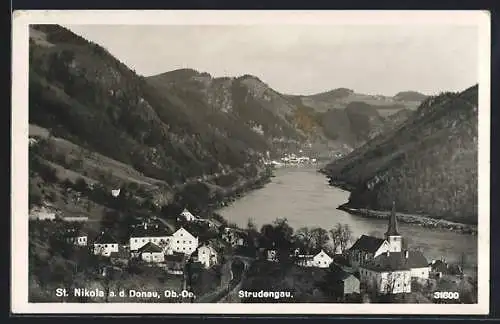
(419, 220)
(414, 219)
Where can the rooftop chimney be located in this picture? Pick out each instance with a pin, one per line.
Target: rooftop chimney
(388, 252)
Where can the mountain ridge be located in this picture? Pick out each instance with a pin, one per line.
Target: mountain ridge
(428, 164)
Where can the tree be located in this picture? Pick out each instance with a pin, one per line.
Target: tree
(320, 237)
(305, 237)
(341, 235)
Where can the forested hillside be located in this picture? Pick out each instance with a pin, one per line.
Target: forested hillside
(427, 165)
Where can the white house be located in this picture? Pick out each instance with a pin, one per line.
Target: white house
(182, 242)
(77, 237)
(105, 244)
(151, 252)
(319, 259)
(149, 233)
(322, 260)
(186, 214)
(207, 255)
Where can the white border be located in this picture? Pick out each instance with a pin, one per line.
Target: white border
(19, 234)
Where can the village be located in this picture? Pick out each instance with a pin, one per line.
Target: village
(372, 269)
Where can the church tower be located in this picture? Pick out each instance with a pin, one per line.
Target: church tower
(392, 235)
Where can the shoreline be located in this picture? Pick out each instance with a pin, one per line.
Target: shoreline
(412, 219)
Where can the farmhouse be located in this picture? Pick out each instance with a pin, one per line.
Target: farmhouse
(151, 252)
(318, 259)
(149, 233)
(182, 242)
(206, 255)
(77, 237)
(105, 244)
(186, 214)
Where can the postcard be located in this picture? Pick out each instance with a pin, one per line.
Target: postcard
(250, 162)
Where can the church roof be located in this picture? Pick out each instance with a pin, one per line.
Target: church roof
(150, 247)
(367, 244)
(397, 261)
(392, 229)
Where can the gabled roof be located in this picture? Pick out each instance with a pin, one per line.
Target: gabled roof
(340, 275)
(397, 261)
(150, 231)
(105, 238)
(367, 244)
(76, 232)
(150, 247)
(439, 266)
(315, 252)
(182, 230)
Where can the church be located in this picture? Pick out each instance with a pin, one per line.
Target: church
(383, 264)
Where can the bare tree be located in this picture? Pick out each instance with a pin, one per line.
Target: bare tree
(305, 236)
(320, 237)
(341, 235)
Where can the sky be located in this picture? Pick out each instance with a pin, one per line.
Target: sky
(303, 60)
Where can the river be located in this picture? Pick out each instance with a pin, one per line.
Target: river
(305, 198)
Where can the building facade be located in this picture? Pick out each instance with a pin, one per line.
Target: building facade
(141, 235)
(182, 242)
(105, 244)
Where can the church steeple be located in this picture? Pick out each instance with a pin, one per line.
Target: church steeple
(392, 229)
(392, 235)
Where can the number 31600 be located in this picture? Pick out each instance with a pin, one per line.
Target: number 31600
(446, 295)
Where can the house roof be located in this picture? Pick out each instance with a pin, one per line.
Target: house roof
(150, 231)
(105, 238)
(367, 244)
(439, 266)
(176, 257)
(150, 247)
(76, 232)
(340, 275)
(397, 261)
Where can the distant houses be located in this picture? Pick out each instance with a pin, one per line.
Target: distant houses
(42, 213)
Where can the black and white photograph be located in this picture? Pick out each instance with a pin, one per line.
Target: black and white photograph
(245, 162)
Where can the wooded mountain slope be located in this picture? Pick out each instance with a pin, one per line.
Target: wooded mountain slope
(427, 165)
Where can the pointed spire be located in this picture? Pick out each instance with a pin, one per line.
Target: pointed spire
(392, 230)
